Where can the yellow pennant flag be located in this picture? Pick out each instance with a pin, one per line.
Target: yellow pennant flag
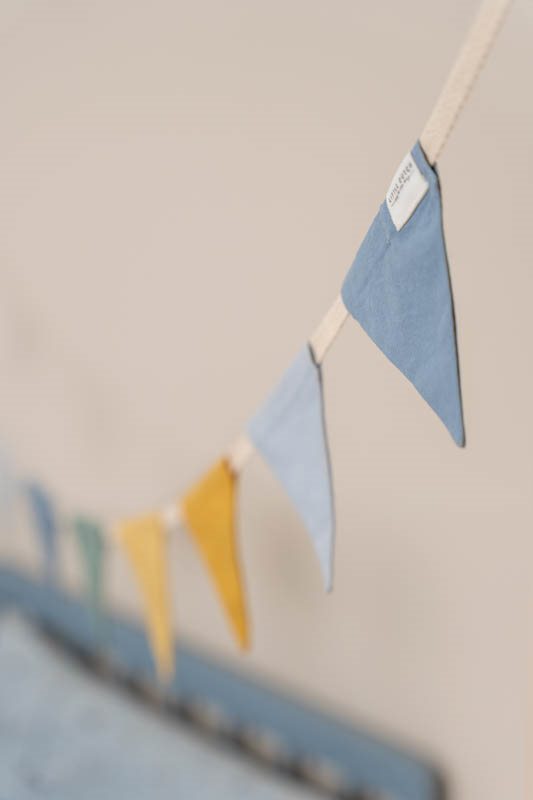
(209, 512)
(144, 540)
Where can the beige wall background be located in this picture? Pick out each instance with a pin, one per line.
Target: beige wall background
(184, 186)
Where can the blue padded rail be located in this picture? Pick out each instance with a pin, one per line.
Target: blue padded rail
(365, 762)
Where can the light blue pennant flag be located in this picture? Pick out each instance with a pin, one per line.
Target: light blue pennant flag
(398, 289)
(45, 523)
(289, 432)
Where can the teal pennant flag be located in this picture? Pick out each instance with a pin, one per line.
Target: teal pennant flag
(91, 547)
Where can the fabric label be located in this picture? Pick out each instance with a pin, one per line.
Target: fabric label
(405, 192)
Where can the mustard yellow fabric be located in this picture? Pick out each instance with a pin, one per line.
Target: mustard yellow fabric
(144, 541)
(209, 513)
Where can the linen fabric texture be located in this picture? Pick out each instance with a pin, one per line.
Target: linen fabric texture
(289, 432)
(398, 289)
(209, 515)
(144, 540)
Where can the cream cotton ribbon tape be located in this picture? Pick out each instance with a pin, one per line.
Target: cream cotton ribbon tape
(462, 77)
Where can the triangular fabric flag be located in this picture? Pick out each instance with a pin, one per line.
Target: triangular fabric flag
(145, 542)
(91, 547)
(289, 431)
(398, 289)
(46, 526)
(209, 513)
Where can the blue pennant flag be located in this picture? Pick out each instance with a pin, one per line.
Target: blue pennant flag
(398, 289)
(45, 522)
(289, 432)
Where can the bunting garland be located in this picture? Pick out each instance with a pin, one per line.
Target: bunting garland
(398, 289)
(209, 514)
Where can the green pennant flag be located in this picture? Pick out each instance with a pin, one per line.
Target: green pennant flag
(91, 547)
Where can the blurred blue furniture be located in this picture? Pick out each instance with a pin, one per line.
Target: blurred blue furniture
(306, 740)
